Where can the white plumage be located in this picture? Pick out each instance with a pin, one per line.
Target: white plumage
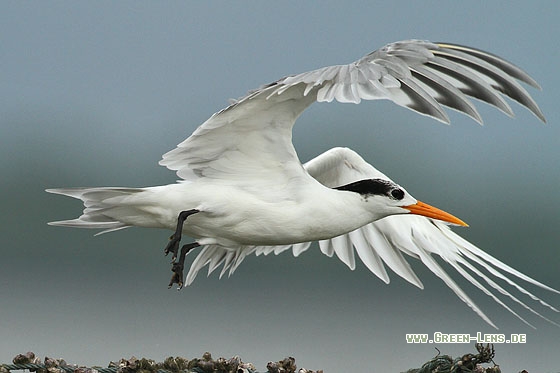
(249, 192)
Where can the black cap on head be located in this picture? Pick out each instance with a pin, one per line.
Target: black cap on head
(374, 187)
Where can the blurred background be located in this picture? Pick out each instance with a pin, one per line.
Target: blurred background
(93, 93)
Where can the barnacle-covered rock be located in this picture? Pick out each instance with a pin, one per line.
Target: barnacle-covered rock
(233, 363)
(125, 365)
(54, 365)
(175, 364)
(206, 366)
(146, 366)
(303, 370)
(27, 358)
(221, 365)
(193, 363)
(287, 365)
(246, 368)
(273, 367)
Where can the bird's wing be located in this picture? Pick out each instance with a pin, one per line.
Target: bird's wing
(253, 135)
(384, 241)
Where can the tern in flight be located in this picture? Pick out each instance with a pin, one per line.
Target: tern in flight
(243, 189)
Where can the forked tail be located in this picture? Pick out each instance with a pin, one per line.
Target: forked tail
(105, 207)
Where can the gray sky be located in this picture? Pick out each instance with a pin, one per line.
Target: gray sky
(92, 93)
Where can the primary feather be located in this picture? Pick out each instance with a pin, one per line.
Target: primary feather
(386, 240)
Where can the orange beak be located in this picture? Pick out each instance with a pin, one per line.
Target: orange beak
(424, 209)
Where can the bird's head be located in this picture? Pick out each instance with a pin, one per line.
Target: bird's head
(384, 198)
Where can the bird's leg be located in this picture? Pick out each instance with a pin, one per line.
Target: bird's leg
(178, 265)
(173, 245)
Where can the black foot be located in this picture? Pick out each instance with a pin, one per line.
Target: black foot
(177, 277)
(173, 245)
(177, 266)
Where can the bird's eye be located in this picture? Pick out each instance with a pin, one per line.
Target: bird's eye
(397, 194)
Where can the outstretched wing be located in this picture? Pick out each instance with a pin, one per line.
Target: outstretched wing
(253, 135)
(384, 242)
